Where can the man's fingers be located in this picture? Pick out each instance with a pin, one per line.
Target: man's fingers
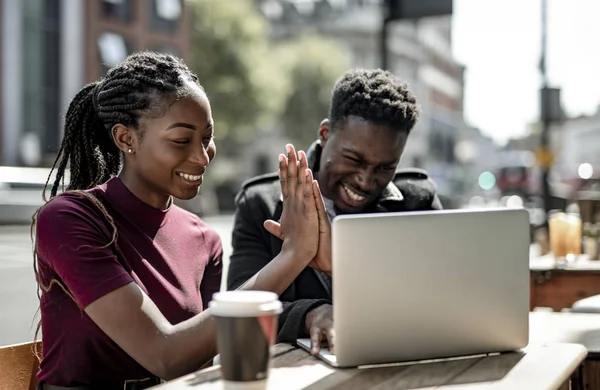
(331, 338)
(308, 186)
(274, 228)
(319, 202)
(283, 175)
(292, 169)
(315, 340)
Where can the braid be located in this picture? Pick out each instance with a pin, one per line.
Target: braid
(138, 85)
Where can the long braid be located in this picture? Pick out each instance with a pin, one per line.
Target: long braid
(137, 86)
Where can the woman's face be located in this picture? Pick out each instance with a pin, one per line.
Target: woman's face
(173, 151)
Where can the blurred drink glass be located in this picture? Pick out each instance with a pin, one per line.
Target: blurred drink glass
(565, 232)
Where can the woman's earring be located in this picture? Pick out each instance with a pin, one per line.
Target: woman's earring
(129, 150)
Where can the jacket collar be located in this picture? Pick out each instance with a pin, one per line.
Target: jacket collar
(391, 193)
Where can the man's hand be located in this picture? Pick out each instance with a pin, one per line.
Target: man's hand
(319, 324)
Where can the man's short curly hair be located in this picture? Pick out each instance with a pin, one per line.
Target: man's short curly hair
(376, 96)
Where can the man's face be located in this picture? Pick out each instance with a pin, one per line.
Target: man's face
(358, 161)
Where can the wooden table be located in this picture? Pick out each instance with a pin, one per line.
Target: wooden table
(579, 328)
(551, 327)
(560, 288)
(536, 367)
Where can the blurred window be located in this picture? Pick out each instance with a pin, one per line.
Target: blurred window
(41, 73)
(120, 10)
(442, 142)
(113, 49)
(166, 14)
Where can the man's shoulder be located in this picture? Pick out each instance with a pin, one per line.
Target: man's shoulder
(417, 188)
(266, 179)
(264, 187)
(267, 184)
(410, 174)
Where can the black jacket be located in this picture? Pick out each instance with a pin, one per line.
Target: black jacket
(254, 247)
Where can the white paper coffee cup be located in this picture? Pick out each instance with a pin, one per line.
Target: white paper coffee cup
(246, 332)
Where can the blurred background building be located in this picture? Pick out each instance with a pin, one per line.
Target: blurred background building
(49, 49)
(421, 53)
(268, 66)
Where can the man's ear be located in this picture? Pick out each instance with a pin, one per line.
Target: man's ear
(125, 138)
(323, 133)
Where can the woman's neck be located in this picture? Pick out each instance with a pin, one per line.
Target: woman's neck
(144, 192)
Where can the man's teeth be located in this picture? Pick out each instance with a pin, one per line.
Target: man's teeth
(190, 177)
(353, 195)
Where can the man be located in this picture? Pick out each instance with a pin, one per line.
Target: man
(354, 161)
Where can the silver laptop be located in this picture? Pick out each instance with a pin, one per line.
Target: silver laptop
(428, 285)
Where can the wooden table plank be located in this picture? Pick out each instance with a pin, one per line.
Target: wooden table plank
(356, 379)
(491, 369)
(282, 348)
(546, 367)
(291, 358)
(578, 328)
(340, 380)
(281, 378)
(537, 367)
(426, 375)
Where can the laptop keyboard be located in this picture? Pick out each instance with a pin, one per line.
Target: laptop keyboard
(324, 352)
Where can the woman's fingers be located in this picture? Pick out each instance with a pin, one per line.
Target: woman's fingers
(292, 170)
(283, 175)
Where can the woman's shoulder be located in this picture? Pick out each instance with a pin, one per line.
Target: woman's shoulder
(72, 205)
(73, 218)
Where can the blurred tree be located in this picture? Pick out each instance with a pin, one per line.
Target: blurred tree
(312, 64)
(229, 52)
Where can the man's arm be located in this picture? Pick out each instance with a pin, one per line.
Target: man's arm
(419, 190)
(252, 251)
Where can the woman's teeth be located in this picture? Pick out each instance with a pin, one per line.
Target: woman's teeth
(353, 195)
(190, 177)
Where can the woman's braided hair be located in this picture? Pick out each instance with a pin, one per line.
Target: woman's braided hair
(140, 85)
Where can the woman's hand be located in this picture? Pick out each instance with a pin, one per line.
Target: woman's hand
(299, 224)
(322, 260)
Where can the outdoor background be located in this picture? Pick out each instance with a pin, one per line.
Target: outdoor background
(268, 67)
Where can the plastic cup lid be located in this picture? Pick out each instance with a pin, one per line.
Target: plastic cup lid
(245, 303)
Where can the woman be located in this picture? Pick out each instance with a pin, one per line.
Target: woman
(126, 275)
